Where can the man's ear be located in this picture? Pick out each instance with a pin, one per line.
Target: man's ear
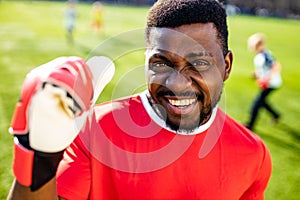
(228, 64)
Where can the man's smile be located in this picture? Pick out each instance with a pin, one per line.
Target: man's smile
(181, 105)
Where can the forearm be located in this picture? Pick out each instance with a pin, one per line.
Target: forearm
(55, 102)
(46, 192)
(276, 68)
(48, 116)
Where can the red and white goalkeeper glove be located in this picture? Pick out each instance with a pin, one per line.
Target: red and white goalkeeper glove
(53, 107)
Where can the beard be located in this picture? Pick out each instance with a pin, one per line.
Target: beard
(192, 125)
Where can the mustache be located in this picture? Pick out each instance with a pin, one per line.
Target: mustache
(187, 94)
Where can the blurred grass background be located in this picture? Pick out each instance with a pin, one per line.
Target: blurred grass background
(32, 33)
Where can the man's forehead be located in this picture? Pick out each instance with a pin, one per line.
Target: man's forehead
(175, 43)
(160, 35)
(189, 54)
(184, 31)
(184, 38)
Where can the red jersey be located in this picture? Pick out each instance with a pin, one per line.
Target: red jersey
(123, 153)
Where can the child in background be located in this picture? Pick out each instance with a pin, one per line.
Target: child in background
(267, 74)
(70, 18)
(97, 22)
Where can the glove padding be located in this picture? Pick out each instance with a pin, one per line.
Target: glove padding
(68, 73)
(54, 122)
(54, 104)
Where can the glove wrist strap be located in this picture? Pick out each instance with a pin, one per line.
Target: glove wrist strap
(22, 163)
(34, 168)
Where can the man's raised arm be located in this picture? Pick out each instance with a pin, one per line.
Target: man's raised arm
(53, 106)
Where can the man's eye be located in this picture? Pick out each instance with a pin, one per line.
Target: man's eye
(201, 64)
(159, 64)
(159, 67)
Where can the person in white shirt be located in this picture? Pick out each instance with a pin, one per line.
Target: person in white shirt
(267, 74)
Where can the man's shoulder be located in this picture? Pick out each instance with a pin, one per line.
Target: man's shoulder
(118, 105)
(237, 134)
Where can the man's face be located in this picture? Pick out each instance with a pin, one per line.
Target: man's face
(185, 71)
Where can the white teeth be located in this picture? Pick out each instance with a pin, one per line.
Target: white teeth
(182, 102)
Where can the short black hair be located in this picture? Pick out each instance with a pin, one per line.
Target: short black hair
(175, 13)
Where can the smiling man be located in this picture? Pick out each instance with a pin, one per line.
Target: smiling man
(185, 74)
(169, 142)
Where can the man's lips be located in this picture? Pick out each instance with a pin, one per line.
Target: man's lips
(180, 103)
(181, 106)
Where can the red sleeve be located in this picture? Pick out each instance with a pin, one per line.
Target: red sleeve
(256, 190)
(73, 174)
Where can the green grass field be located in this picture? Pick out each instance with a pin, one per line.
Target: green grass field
(32, 33)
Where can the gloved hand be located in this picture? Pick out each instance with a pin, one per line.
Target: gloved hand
(54, 104)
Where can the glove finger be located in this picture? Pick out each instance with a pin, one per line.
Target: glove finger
(103, 70)
(66, 102)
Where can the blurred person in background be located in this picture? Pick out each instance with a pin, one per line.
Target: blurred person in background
(97, 17)
(268, 77)
(70, 19)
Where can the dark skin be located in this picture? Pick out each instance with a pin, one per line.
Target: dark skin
(47, 192)
(184, 78)
(185, 75)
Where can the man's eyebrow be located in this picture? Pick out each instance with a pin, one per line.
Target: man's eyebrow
(201, 53)
(159, 54)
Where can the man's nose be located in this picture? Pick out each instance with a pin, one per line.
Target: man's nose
(178, 81)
